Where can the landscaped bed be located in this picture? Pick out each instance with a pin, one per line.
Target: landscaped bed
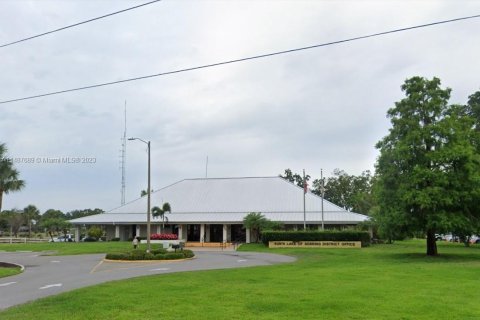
(5, 272)
(155, 254)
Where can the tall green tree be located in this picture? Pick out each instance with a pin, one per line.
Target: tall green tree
(428, 169)
(14, 220)
(31, 213)
(9, 181)
(295, 178)
(158, 212)
(354, 193)
(53, 214)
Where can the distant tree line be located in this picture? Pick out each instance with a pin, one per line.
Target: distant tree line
(30, 220)
(353, 193)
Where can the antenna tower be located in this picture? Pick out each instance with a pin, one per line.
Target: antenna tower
(124, 154)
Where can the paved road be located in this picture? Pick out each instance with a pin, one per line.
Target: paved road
(49, 275)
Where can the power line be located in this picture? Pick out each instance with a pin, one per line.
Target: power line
(77, 24)
(240, 60)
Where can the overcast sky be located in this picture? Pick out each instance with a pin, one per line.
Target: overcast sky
(321, 108)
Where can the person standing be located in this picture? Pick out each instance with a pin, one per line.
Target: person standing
(135, 243)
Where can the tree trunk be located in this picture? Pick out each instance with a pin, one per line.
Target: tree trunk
(1, 199)
(431, 243)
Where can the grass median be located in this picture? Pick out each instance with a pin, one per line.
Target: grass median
(380, 282)
(6, 272)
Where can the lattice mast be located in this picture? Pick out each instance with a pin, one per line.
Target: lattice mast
(124, 156)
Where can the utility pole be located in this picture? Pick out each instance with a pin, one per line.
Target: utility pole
(206, 169)
(304, 192)
(322, 191)
(148, 201)
(149, 191)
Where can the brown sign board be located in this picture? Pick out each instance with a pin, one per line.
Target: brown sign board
(314, 244)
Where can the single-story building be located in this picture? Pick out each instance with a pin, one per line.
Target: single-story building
(213, 209)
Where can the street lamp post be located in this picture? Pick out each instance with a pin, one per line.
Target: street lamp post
(148, 192)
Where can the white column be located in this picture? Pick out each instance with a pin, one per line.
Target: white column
(247, 235)
(77, 234)
(224, 233)
(137, 231)
(180, 233)
(202, 233)
(117, 231)
(207, 231)
(159, 228)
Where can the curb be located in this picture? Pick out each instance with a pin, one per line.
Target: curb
(12, 265)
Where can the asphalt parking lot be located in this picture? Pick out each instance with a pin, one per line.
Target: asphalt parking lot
(46, 275)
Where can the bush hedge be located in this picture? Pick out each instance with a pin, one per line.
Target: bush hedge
(362, 236)
(157, 254)
(164, 236)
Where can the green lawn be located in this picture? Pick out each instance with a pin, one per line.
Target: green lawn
(5, 272)
(70, 248)
(380, 282)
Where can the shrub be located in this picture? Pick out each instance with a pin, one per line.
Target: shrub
(188, 253)
(89, 239)
(362, 236)
(95, 232)
(174, 256)
(158, 251)
(158, 254)
(148, 256)
(164, 236)
(136, 254)
(116, 256)
(115, 239)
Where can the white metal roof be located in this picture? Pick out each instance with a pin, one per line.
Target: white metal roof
(228, 200)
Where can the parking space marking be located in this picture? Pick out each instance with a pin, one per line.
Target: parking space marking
(160, 269)
(7, 284)
(241, 260)
(55, 261)
(48, 286)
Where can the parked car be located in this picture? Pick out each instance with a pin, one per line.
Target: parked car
(451, 238)
(474, 239)
(67, 238)
(88, 239)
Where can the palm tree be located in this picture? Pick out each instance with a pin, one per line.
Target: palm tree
(256, 222)
(9, 181)
(31, 213)
(160, 212)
